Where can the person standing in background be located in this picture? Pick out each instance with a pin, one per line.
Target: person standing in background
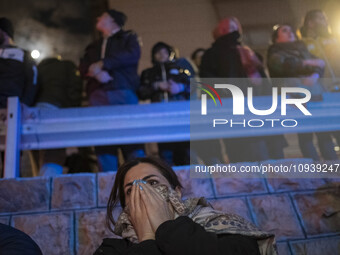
(196, 57)
(110, 68)
(18, 71)
(167, 81)
(290, 58)
(229, 58)
(323, 44)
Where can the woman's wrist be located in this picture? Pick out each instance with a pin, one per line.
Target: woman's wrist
(147, 237)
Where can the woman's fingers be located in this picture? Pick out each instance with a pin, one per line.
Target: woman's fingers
(157, 208)
(132, 199)
(152, 192)
(137, 198)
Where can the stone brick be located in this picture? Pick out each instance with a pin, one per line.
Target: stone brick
(194, 187)
(105, 184)
(324, 246)
(274, 213)
(285, 184)
(320, 211)
(4, 220)
(91, 229)
(52, 232)
(283, 249)
(24, 194)
(333, 182)
(232, 205)
(73, 191)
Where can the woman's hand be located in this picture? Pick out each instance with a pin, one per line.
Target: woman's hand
(158, 210)
(138, 216)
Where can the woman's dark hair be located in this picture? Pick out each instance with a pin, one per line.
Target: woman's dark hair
(276, 29)
(193, 55)
(117, 192)
(311, 15)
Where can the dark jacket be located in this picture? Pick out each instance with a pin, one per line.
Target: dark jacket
(285, 60)
(59, 83)
(121, 62)
(223, 60)
(161, 72)
(15, 242)
(182, 237)
(18, 76)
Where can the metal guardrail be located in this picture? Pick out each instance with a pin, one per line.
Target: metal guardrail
(26, 128)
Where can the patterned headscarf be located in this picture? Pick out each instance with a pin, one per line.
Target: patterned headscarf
(202, 213)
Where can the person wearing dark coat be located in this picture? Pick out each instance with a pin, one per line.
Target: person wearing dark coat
(167, 81)
(155, 220)
(228, 58)
(164, 70)
(290, 58)
(110, 63)
(59, 83)
(16, 242)
(18, 71)
(110, 68)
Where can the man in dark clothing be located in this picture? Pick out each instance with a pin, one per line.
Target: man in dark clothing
(15, 242)
(110, 63)
(59, 86)
(163, 82)
(228, 58)
(18, 72)
(59, 83)
(110, 68)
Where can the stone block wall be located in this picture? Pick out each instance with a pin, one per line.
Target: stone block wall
(66, 214)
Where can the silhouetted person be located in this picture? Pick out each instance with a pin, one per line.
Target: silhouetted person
(18, 72)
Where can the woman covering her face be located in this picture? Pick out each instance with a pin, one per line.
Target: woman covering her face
(155, 219)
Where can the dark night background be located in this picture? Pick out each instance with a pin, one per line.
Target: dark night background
(62, 27)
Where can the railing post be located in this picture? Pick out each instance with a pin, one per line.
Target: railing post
(12, 153)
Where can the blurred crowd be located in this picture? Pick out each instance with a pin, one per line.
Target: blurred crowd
(109, 71)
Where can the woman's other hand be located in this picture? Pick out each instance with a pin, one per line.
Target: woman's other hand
(138, 215)
(158, 210)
